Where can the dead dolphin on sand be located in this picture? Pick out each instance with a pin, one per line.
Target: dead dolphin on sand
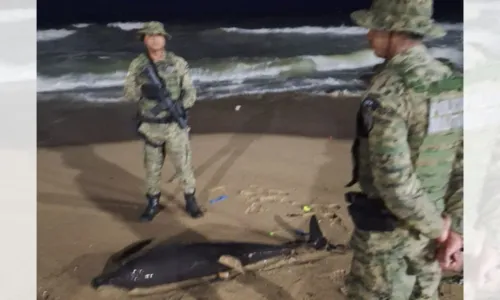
(172, 263)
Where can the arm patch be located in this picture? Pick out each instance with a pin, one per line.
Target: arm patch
(368, 106)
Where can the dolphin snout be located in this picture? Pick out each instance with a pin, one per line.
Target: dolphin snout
(98, 281)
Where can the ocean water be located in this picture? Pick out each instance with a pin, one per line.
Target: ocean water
(88, 62)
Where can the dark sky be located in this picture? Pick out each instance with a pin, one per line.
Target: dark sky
(54, 13)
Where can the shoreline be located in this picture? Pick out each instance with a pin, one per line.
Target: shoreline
(64, 123)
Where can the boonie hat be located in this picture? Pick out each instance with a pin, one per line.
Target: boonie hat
(151, 28)
(414, 16)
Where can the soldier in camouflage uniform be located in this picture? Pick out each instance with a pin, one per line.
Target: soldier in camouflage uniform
(367, 77)
(406, 159)
(161, 134)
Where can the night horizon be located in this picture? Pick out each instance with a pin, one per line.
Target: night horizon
(58, 13)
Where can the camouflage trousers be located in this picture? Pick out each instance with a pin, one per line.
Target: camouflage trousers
(397, 265)
(163, 140)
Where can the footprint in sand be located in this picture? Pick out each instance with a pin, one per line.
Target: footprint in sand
(257, 198)
(329, 212)
(260, 199)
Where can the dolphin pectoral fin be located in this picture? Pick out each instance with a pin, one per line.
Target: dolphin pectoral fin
(116, 259)
(232, 262)
(129, 250)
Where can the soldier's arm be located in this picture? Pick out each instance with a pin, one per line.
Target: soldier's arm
(454, 205)
(392, 169)
(188, 89)
(131, 88)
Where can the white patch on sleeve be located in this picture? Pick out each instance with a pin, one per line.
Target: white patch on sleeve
(445, 115)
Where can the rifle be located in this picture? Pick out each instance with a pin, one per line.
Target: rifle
(163, 97)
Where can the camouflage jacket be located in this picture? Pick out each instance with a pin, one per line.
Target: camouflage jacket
(172, 69)
(409, 141)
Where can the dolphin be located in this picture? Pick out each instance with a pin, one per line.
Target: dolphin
(167, 263)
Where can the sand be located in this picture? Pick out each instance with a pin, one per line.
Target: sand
(274, 154)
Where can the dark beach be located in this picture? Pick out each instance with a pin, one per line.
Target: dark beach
(270, 157)
(298, 114)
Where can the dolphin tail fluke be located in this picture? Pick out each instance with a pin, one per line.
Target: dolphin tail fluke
(316, 237)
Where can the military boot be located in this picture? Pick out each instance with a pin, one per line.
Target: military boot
(152, 209)
(192, 207)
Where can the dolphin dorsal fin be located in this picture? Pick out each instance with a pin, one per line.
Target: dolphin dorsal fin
(316, 237)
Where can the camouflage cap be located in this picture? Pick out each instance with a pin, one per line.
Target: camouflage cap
(413, 16)
(151, 28)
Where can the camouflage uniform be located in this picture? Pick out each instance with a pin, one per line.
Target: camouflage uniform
(450, 64)
(367, 77)
(161, 133)
(407, 155)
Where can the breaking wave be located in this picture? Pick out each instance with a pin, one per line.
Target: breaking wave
(54, 34)
(241, 71)
(336, 30)
(340, 30)
(127, 26)
(235, 72)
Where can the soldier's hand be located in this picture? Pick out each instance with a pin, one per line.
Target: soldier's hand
(450, 255)
(456, 264)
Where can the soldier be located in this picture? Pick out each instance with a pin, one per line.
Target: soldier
(162, 135)
(405, 156)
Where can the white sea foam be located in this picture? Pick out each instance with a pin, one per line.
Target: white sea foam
(238, 72)
(339, 30)
(127, 26)
(54, 34)
(81, 25)
(306, 30)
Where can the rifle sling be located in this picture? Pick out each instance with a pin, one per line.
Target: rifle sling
(155, 70)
